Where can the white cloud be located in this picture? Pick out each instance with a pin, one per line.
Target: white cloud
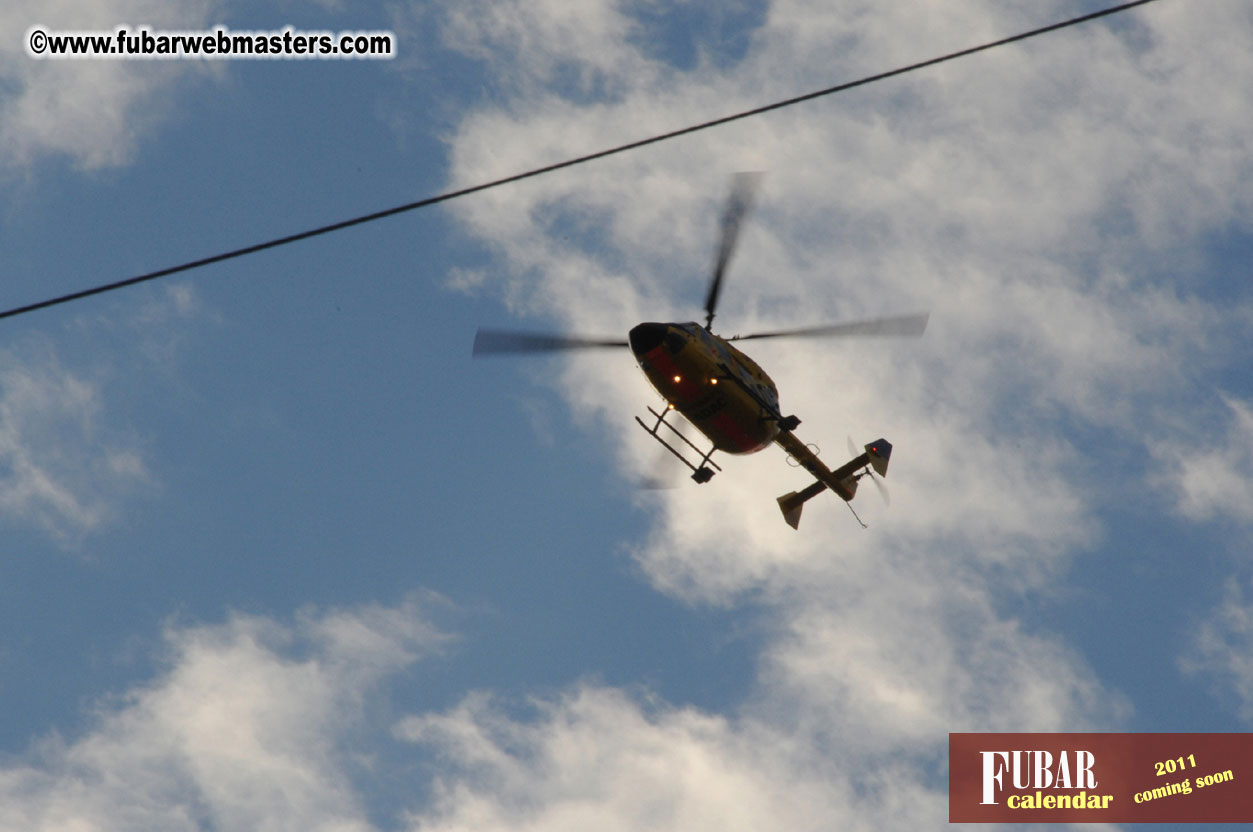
(597, 758)
(91, 112)
(60, 470)
(1222, 646)
(846, 726)
(887, 657)
(67, 467)
(261, 724)
(254, 725)
(583, 50)
(1213, 476)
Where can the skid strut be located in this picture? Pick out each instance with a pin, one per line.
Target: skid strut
(702, 472)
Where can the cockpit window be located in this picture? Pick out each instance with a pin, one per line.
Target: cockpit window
(675, 341)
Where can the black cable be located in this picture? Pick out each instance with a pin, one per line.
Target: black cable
(445, 197)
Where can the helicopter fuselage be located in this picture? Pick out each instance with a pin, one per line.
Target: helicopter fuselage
(717, 388)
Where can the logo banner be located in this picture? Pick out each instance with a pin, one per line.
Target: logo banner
(1100, 778)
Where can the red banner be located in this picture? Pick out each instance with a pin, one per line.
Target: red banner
(1100, 778)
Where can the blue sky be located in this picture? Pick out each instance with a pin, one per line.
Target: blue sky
(277, 554)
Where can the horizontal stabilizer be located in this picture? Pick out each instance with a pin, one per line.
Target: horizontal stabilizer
(791, 503)
(791, 508)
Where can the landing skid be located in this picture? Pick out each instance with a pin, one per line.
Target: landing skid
(701, 473)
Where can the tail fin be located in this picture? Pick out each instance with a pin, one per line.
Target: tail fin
(879, 452)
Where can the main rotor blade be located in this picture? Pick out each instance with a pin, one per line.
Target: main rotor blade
(743, 187)
(901, 325)
(501, 342)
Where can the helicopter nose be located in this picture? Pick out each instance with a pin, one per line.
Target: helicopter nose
(647, 337)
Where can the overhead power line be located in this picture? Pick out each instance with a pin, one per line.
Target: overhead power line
(517, 177)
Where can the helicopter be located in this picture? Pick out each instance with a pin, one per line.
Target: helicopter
(718, 389)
